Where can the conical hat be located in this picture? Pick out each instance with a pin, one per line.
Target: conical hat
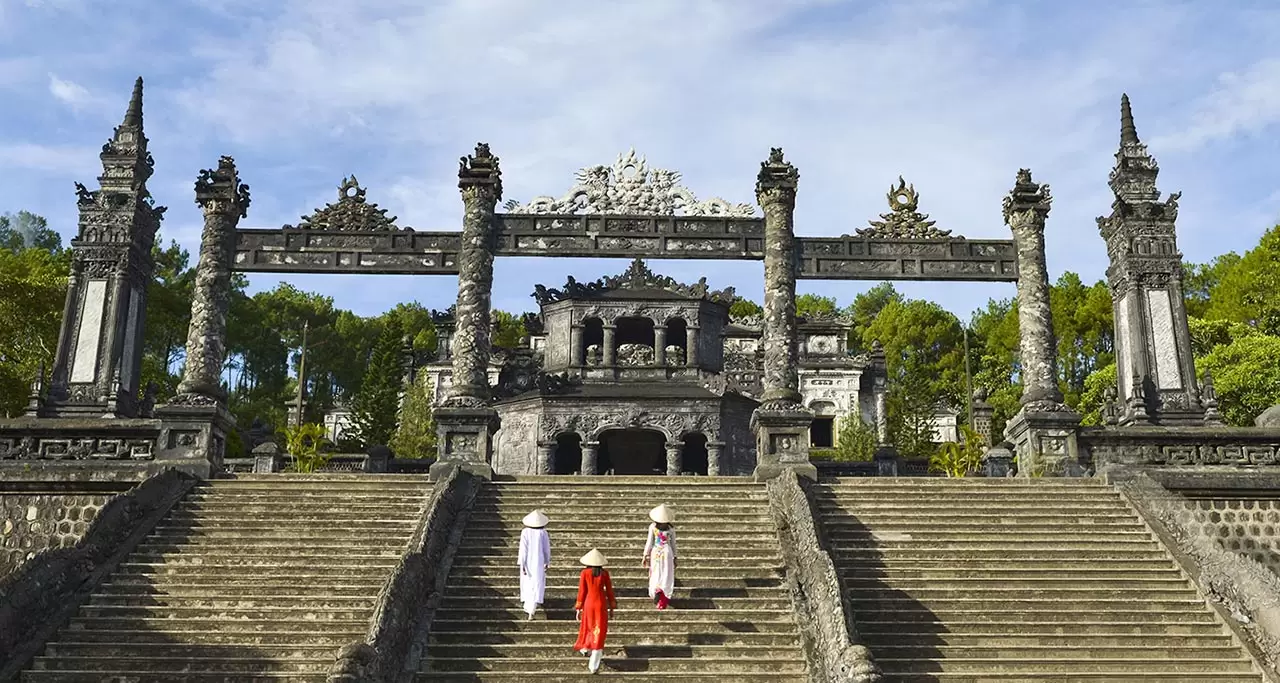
(662, 514)
(535, 519)
(594, 559)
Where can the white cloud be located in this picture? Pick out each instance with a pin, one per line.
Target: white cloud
(1244, 102)
(71, 161)
(69, 93)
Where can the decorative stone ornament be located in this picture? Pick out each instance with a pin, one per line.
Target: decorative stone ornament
(351, 213)
(904, 221)
(630, 187)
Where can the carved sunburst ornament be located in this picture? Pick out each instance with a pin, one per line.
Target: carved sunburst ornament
(905, 221)
(351, 213)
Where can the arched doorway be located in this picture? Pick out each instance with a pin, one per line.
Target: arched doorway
(693, 454)
(567, 457)
(632, 451)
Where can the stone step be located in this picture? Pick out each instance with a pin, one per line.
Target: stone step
(637, 588)
(1048, 483)
(629, 611)
(168, 543)
(897, 631)
(245, 589)
(622, 633)
(1068, 677)
(616, 647)
(1017, 582)
(727, 538)
(1182, 601)
(997, 575)
(633, 526)
(247, 613)
(302, 649)
(573, 663)
(607, 673)
(115, 638)
(198, 624)
(288, 525)
(934, 593)
(869, 560)
(216, 601)
(334, 516)
(160, 571)
(353, 500)
(687, 572)
(838, 516)
(910, 617)
(178, 675)
(1033, 665)
(229, 556)
(1071, 556)
(625, 624)
(1001, 545)
(1172, 650)
(502, 601)
(171, 534)
(848, 523)
(247, 663)
(1086, 636)
(964, 509)
(504, 560)
(838, 536)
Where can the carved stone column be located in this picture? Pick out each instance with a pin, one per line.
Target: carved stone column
(546, 456)
(466, 422)
(609, 351)
(224, 201)
(660, 345)
(575, 342)
(674, 464)
(714, 450)
(590, 456)
(1044, 430)
(692, 335)
(781, 423)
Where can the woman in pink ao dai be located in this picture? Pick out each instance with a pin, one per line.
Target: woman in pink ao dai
(660, 556)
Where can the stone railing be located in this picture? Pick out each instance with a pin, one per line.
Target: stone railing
(1245, 594)
(402, 616)
(48, 588)
(1172, 447)
(341, 462)
(826, 622)
(70, 449)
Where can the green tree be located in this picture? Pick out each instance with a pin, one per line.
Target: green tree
(376, 406)
(1085, 331)
(1246, 376)
(864, 309)
(26, 230)
(168, 317)
(33, 289)
(303, 443)
(1199, 279)
(1248, 291)
(855, 440)
(1093, 398)
(416, 435)
(815, 305)
(959, 459)
(510, 329)
(745, 308)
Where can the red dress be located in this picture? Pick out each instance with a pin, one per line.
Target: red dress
(595, 597)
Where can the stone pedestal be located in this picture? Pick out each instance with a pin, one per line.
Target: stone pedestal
(1045, 441)
(886, 459)
(466, 440)
(193, 437)
(267, 459)
(997, 461)
(546, 457)
(378, 460)
(782, 441)
(590, 457)
(714, 450)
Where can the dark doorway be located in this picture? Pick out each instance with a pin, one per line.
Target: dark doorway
(567, 457)
(632, 451)
(693, 455)
(677, 335)
(822, 433)
(592, 335)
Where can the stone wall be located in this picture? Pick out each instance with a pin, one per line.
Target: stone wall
(32, 522)
(517, 438)
(401, 623)
(1245, 593)
(826, 623)
(1164, 447)
(1247, 527)
(48, 588)
(739, 455)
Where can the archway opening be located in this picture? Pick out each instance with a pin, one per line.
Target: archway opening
(592, 335)
(632, 451)
(567, 458)
(822, 431)
(693, 454)
(678, 336)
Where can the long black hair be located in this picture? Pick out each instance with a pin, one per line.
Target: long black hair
(663, 526)
(595, 571)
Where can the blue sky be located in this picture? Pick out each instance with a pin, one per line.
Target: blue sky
(955, 95)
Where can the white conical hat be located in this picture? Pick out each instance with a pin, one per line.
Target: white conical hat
(662, 514)
(594, 559)
(535, 519)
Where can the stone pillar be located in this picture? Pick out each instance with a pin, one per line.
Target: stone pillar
(714, 450)
(575, 343)
(590, 456)
(660, 345)
(1044, 430)
(781, 422)
(674, 464)
(546, 455)
(983, 413)
(224, 201)
(1155, 367)
(97, 362)
(466, 422)
(691, 342)
(609, 352)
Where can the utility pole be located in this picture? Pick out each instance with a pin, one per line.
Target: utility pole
(302, 371)
(968, 378)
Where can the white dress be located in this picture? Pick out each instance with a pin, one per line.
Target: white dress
(660, 549)
(535, 555)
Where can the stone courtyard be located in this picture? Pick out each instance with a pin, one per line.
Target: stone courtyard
(1142, 550)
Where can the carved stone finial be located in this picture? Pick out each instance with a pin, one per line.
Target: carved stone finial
(1128, 131)
(776, 174)
(636, 276)
(1027, 195)
(220, 189)
(133, 115)
(480, 169)
(629, 187)
(904, 221)
(351, 213)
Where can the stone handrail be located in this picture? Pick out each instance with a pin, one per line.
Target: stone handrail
(1180, 446)
(1245, 593)
(406, 605)
(826, 622)
(45, 591)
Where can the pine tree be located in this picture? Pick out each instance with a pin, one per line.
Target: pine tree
(416, 435)
(376, 405)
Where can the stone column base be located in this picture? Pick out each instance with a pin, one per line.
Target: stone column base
(1045, 441)
(465, 437)
(782, 441)
(193, 435)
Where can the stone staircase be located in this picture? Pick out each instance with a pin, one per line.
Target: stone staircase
(960, 581)
(258, 578)
(731, 619)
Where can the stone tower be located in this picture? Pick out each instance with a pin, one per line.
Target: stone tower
(97, 363)
(1154, 365)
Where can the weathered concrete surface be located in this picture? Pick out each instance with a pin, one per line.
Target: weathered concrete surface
(36, 599)
(1245, 593)
(826, 623)
(402, 615)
